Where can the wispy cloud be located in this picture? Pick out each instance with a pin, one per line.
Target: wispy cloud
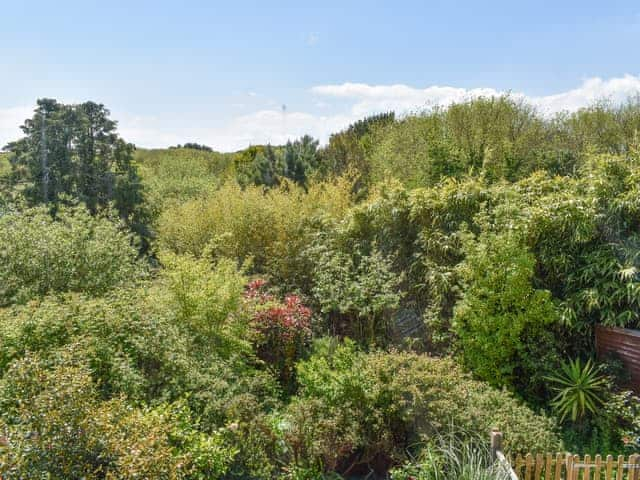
(349, 101)
(312, 39)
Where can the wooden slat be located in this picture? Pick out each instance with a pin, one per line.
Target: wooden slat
(609, 470)
(620, 470)
(586, 472)
(559, 462)
(539, 463)
(569, 474)
(576, 468)
(632, 470)
(528, 466)
(598, 467)
(547, 467)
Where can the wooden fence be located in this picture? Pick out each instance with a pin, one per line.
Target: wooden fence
(565, 466)
(573, 467)
(625, 343)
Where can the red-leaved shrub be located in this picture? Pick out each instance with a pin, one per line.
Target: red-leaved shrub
(283, 328)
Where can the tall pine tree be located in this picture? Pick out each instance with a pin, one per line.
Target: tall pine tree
(74, 151)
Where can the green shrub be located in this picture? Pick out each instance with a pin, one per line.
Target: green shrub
(360, 410)
(206, 300)
(74, 251)
(57, 427)
(136, 345)
(356, 291)
(132, 346)
(503, 324)
(498, 137)
(416, 234)
(179, 174)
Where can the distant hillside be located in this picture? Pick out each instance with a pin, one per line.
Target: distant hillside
(181, 173)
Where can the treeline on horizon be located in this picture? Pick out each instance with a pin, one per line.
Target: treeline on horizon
(499, 138)
(372, 306)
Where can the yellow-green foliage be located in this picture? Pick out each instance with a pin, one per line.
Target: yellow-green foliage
(74, 251)
(205, 301)
(56, 425)
(5, 166)
(268, 227)
(498, 137)
(177, 174)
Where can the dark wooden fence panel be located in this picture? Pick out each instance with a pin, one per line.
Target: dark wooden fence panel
(625, 343)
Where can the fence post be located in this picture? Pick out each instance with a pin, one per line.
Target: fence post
(634, 464)
(496, 443)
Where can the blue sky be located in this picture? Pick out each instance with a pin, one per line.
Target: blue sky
(219, 72)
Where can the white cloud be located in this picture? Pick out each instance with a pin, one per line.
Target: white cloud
(591, 90)
(369, 99)
(350, 101)
(260, 127)
(313, 39)
(362, 99)
(10, 121)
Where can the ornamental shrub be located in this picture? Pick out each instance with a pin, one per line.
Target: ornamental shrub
(357, 291)
(136, 345)
(206, 300)
(282, 328)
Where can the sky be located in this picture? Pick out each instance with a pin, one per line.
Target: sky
(234, 73)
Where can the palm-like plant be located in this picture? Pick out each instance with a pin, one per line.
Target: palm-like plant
(578, 389)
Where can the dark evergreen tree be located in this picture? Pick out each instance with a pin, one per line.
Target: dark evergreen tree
(74, 151)
(300, 157)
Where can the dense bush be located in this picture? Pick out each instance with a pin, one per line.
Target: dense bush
(148, 347)
(501, 138)
(282, 328)
(504, 325)
(356, 291)
(270, 228)
(58, 426)
(72, 251)
(143, 344)
(177, 175)
(361, 411)
(206, 300)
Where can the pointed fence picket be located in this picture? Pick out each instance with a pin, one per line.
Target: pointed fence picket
(573, 467)
(566, 466)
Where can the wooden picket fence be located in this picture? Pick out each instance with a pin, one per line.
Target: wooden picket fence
(566, 466)
(573, 467)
